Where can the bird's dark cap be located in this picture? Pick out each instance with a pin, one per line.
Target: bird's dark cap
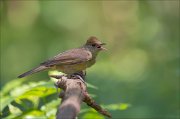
(94, 40)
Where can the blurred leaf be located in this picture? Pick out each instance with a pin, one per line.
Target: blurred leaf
(34, 114)
(92, 115)
(85, 110)
(121, 106)
(10, 85)
(14, 110)
(91, 86)
(92, 95)
(51, 108)
(55, 72)
(5, 101)
(5, 112)
(29, 91)
(38, 91)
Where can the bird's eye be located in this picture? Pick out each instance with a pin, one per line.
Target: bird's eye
(98, 46)
(93, 45)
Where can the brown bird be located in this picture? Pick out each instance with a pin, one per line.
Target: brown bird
(72, 61)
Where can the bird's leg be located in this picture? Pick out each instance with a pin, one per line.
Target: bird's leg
(84, 74)
(80, 75)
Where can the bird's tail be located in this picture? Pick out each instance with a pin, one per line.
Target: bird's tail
(32, 71)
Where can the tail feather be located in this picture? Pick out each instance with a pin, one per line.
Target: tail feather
(35, 70)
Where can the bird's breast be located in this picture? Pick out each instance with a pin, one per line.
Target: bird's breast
(73, 68)
(90, 63)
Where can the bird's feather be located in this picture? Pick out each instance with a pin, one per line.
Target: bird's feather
(32, 71)
(73, 56)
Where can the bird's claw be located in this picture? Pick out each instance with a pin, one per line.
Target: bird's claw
(79, 77)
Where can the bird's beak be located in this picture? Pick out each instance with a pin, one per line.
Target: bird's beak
(102, 48)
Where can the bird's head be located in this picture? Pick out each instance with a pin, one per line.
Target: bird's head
(94, 44)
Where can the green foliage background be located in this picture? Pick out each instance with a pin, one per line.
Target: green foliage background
(138, 77)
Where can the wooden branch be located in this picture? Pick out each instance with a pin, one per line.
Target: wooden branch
(72, 97)
(73, 94)
(90, 102)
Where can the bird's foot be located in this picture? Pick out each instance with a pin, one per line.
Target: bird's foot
(73, 76)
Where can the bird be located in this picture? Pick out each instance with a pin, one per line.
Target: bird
(73, 60)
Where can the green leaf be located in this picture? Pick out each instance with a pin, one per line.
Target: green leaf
(120, 106)
(10, 85)
(50, 108)
(33, 114)
(92, 115)
(29, 91)
(91, 86)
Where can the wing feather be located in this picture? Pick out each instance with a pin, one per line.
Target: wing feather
(70, 57)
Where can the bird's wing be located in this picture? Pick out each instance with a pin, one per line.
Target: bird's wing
(69, 57)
